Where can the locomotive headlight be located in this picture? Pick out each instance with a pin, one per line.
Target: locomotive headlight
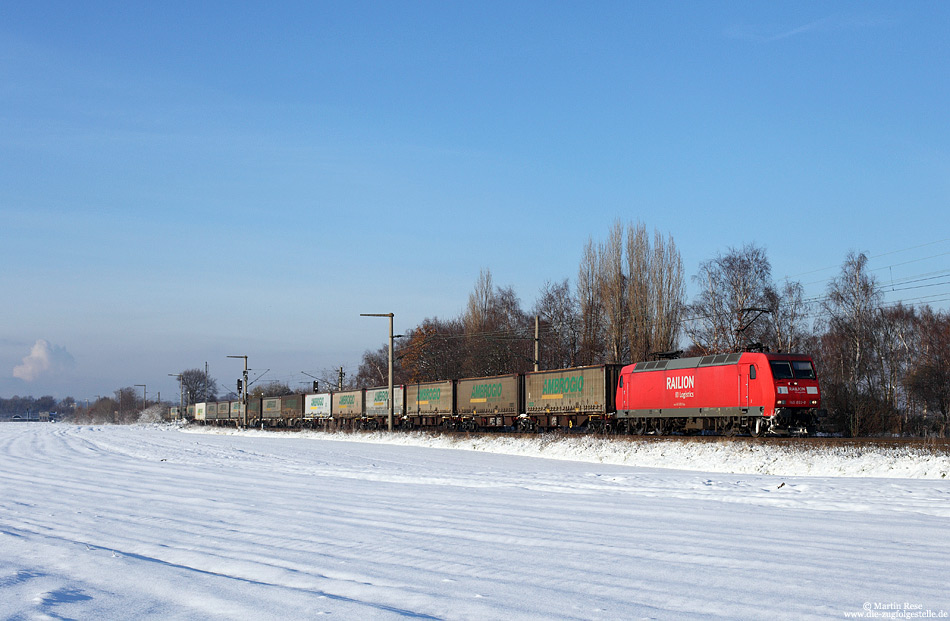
(814, 403)
(780, 402)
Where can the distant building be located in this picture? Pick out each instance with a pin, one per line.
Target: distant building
(35, 417)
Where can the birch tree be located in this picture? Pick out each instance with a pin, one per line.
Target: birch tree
(727, 313)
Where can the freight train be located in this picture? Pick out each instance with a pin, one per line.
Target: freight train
(754, 393)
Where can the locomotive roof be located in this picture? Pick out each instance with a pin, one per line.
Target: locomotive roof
(703, 361)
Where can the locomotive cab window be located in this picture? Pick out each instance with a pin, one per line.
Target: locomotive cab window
(803, 369)
(781, 369)
(751, 371)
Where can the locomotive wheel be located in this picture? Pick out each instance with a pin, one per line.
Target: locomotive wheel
(755, 428)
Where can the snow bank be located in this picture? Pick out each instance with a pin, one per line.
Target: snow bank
(151, 415)
(740, 456)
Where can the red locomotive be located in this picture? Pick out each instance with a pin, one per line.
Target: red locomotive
(726, 393)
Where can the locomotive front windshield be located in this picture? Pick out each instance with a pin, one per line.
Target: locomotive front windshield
(792, 369)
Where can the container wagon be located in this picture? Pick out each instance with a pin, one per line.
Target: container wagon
(431, 404)
(200, 412)
(376, 415)
(347, 409)
(236, 414)
(582, 397)
(291, 410)
(316, 410)
(253, 411)
(270, 411)
(489, 402)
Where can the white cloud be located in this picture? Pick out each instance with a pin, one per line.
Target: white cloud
(43, 358)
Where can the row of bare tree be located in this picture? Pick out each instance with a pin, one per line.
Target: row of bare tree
(630, 294)
(126, 405)
(883, 369)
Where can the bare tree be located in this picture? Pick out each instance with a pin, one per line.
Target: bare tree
(435, 350)
(329, 379)
(480, 303)
(509, 345)
(786, 331)
(640, 294)
(271, 389)
(103, 410)
(928, 381)
(127, 409)
(198, 386)
(655, 292)
(611, 288)
(630, 296)
(896, 348)
(850, 316)
(727, 313)
(591, 315)
(668, 289)
(496, 335)
(374, 368)
(850, 308)
(561, 325)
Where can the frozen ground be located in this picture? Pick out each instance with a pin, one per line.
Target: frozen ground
(152, 522)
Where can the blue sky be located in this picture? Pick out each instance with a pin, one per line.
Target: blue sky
(182, 181)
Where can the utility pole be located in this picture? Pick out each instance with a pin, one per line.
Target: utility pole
(342, 374)
(390, 397)
(537, 342)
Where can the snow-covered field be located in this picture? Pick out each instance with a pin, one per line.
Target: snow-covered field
(155, 522)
